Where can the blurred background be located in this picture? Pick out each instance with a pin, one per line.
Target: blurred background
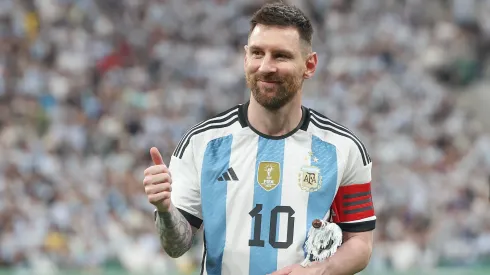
(88, 86)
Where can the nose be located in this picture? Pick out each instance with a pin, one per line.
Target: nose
(267, 66)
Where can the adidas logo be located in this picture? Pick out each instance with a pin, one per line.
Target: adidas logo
(228, 176)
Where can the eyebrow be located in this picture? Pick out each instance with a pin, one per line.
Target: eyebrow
(282, 51)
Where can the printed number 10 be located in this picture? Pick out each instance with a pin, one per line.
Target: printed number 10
(255, 214)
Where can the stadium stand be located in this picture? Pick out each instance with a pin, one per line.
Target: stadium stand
(87, 87)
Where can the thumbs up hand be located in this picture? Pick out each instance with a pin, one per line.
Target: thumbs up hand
(158, 182)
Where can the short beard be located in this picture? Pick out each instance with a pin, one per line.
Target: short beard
(286, 91)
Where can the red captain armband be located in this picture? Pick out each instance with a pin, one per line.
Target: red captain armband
(352, 203)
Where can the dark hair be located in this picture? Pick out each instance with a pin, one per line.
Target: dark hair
(281, 14)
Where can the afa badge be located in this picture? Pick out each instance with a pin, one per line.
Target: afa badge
(268, 175)
(309, 178)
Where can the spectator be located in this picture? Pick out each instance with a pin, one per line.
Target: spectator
(86, 87)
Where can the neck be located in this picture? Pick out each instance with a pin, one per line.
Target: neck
(275, 123)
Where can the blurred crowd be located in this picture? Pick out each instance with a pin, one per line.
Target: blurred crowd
(87, 87)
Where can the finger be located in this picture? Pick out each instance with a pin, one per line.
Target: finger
(288, 269)
(156, 156)
(156, 169)
(155, 189)
(157, 179)
(154, 198)
(284, 271)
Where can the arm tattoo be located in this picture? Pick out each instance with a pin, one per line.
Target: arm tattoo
(175, 232)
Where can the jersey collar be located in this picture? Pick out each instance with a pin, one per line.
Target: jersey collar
(243, 118)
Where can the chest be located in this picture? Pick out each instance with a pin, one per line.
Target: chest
(260, 196)
(296, 164)
(249, 172)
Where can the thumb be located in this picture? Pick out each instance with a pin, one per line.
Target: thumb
(156, 156)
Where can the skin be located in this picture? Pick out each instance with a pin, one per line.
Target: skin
(174, 230)
(352, 257)
(276, 64)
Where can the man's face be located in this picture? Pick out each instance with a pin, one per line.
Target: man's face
(275, 65)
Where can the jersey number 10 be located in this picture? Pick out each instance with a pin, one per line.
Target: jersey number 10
(257, 241)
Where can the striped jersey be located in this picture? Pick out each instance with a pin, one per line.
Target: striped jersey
(255, 196)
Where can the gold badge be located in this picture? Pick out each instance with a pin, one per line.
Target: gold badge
(309, 178)
(269, 175)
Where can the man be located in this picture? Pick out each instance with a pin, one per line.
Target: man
(256, 176)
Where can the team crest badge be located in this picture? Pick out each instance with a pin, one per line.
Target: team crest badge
(309, 178)
(269, 175)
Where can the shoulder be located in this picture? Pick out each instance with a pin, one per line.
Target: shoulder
(339, 134)
(217, 126)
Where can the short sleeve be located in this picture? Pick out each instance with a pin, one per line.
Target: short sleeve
(353, 208)
(186, 194)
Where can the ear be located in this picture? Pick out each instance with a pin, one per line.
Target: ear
(311, 62)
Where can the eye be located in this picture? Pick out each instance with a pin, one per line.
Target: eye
(256, 53)
(281, 56)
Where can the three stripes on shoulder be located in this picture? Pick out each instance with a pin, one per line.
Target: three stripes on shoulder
(222, 120)
(327, 124)
(230, 116)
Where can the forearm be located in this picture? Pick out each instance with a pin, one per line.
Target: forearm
(352, 257)
(175, 232)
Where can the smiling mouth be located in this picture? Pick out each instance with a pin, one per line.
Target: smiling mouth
(269, 81)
